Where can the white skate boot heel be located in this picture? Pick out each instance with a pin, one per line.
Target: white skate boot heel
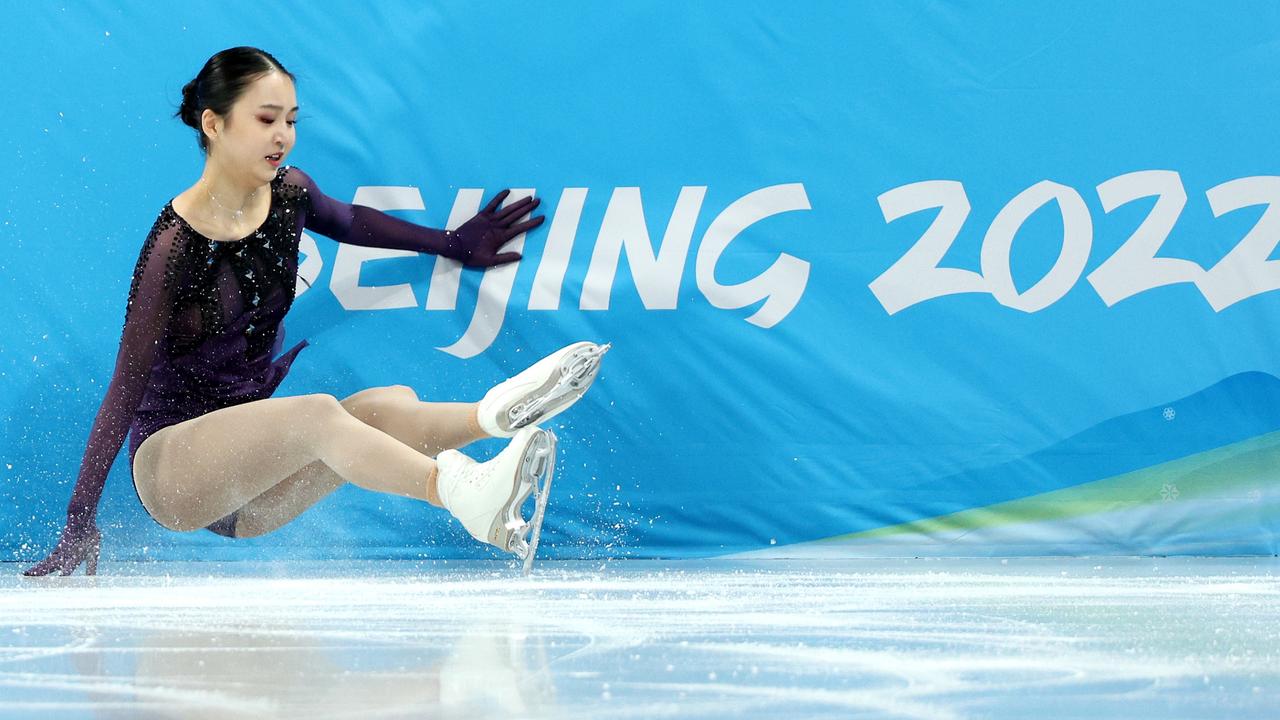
(486, 497)
(541, 391)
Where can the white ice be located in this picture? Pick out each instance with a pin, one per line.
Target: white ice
(937, 639)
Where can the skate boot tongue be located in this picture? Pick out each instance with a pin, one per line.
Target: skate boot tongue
(453, 469)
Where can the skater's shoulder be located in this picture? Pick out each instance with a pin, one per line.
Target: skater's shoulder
(293, 184)
(294, 175)
(169, 232)
(169, 225)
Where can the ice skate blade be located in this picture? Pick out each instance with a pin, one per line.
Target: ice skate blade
(577, 371)
(548, 465)
(533, 476)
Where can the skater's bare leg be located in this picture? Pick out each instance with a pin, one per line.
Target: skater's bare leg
(396, 410)
(198, 471)
(428, 427)
(287, 500)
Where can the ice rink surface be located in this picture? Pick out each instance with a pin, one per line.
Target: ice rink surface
(941, 638)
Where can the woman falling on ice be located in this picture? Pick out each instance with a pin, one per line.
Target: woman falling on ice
(210, 448)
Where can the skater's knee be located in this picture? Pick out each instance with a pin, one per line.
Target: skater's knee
(318, 405)
(366, 403)
(402, 391)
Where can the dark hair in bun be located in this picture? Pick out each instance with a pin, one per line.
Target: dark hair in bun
(221, 82)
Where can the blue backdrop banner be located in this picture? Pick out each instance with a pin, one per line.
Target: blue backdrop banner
(881, 278)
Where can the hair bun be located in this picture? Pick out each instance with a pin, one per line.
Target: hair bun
(189, 111)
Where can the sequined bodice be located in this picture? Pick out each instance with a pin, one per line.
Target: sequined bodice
(224, 279)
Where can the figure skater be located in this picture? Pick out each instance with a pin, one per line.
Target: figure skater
(210, 447)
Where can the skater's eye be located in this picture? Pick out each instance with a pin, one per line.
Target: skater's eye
(269, 121)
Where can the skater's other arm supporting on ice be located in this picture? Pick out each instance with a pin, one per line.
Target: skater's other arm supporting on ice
(146, 320)
(475, 243)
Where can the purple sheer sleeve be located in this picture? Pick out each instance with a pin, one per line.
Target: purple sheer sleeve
(146, 320)
(475, 243)
(147, 315)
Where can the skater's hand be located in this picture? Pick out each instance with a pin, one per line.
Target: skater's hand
(476, 241)
(77, 544)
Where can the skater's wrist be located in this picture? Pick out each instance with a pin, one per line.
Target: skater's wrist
(80, 522)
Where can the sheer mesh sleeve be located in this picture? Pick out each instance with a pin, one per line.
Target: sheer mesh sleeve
(362, 225)
(147, 315)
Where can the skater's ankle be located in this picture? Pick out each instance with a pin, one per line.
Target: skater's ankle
(433, 489)
(473, 423)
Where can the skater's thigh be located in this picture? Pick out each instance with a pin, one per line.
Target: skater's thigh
(303, 489)
(215, 463)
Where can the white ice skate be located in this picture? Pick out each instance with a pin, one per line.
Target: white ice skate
(541, 391)
(486, 497)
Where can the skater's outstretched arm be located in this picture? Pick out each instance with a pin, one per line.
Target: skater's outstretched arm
(474, 243)
(147, 315)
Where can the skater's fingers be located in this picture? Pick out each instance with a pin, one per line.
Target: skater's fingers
(504, 258)
(525, 226)
(516, 209)
(53, 561)
(493, 204)
(41, 568)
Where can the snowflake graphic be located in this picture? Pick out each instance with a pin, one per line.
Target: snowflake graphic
(1169, 492)
(1170, 413)
(1255, 495)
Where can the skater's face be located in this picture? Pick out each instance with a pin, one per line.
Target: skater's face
(261, 122)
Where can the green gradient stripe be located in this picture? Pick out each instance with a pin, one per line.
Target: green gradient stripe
(1230, 472)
